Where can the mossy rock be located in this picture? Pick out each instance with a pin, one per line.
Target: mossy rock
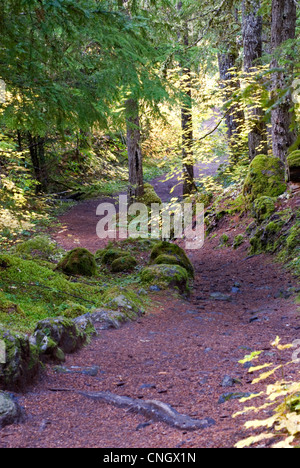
(150, 196)
(109, 255)
(56, 336)
(293, 162)
(167, 248)
(165, 259)
(22, 364)
(166, 276)
(125, 300)
(123, 264)
(263, 208)
(79, 262)
(266, 177)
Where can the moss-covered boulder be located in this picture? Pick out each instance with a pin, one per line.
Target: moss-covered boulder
(263, 208)
(10, 410)
(123, 264)
(293, 162)
(19, 363)
(266, 177)
(174, 251)
(166, 276)
(150, 196)
(124, 300)
(79, 262)
(109, 255)
(56, 336)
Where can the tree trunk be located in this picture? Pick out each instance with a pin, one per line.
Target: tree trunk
(135, 160)
(252, 41)
(37, 154)
(235, 117)
(284, 15)
(189, 186)
(187, 135)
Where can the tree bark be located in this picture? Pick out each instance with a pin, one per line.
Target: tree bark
(252, 43)
(284, 15)
(189, 186)
(135, 159)
(235, 117)
(37, 154)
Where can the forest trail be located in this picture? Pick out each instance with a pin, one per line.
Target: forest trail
(179, 353)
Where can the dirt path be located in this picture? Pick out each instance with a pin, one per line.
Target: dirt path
(179, 354)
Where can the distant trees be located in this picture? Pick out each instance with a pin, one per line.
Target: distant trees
(252, 55)
(284, 16)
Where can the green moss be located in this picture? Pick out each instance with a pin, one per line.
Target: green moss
(39, 247)
(71, 310)
(150, 196)
(166, 276)
(126, 300)
(293, 239)
(123, 264)
(263, 208)
(266, 177)
(109, 255)
(238, 241)
(78, 262)
(293, 160)
(165, 259)
(38, 292)
(167, 248)
(224, 239)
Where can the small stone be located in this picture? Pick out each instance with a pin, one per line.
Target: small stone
(217, 296)
(232, 396)
(154, 288)
(229, 381)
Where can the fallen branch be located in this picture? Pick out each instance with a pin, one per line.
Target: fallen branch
(152, 409)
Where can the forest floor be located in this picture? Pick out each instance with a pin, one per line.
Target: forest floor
(178, 353)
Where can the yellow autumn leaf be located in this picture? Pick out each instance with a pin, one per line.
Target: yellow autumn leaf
(282, 347)
(291, 423)
(284, 443)
(276, 341)
(252, 440)
(269, 422)
(257, 368)
(265, 375)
